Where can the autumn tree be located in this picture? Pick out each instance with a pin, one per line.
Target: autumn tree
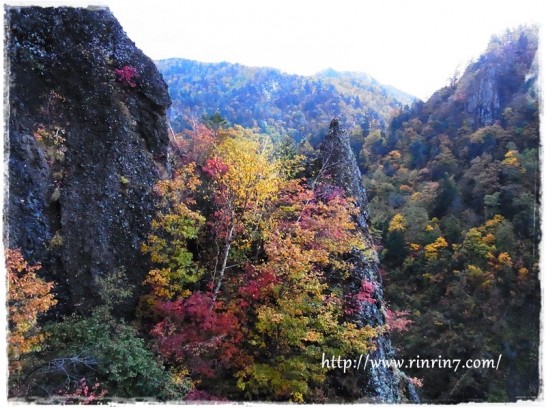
(297, 315)
(243, 181)
(29, 296)
(256, 318)
(172, 229)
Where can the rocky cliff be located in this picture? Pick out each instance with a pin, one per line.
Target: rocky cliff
(380, 385)
(87, 140)
(487, 86)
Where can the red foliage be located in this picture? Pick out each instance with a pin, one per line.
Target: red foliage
(364, 295)
(214, 167)
(199, 395)
(398, 321)
(327, 192)
(202, 337)
(127, 75)
(82, 393)
(257, 283)
(194, 145)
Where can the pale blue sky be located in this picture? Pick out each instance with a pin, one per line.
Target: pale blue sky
(414, 45)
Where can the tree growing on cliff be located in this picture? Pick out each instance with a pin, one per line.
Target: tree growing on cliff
(255, 322)
(29, 296)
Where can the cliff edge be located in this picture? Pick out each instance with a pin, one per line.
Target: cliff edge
(87, 140)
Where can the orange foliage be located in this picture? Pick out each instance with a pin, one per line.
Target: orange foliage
(28, 296)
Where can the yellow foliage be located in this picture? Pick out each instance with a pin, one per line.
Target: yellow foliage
(494, 222)
(394, 155)
(252, 177)
(489, 239)
(431, 250)
(180, 188)
(475, 272)
(313, 336)
(505, 259)
(511, 159)
(487, 283)
(171, 231)
(415, 247)
(416, 196)
(296, 397)
(28, 297)
(397, 223)
(523, 273)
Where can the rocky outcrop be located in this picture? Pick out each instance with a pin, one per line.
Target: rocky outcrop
(87, 141)
(488, 85)
(483, 103)
(380, 385)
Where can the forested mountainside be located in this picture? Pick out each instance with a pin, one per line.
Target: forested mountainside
(454, 188)
(278, 103)
(208, 265)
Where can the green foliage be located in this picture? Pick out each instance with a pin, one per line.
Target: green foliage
(214, 121)
(115, 289)
(122, 362)
(99, 350)
(57, 240)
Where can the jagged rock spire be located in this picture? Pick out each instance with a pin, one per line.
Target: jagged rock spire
(340, 163)
(381, 385)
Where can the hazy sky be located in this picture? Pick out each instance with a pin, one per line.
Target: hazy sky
(414, 45)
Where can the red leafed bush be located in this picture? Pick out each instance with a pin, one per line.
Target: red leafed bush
(197, 395)
(191, 331)
(398, 321)
(82, 393)
(258, 283)
(127, 75)
(364, 295)
(215, 167)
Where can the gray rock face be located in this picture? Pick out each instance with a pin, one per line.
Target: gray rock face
(484, 104)
(381, 385)
(87, 140)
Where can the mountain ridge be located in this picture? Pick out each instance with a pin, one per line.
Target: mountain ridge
(277, 102)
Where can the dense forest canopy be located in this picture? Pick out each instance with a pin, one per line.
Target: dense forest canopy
(454, 188)
(277, 103)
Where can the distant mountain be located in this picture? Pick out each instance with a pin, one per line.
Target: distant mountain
(276, 102)
(348, 81)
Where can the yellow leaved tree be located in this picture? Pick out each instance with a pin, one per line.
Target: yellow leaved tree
(28, 297)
